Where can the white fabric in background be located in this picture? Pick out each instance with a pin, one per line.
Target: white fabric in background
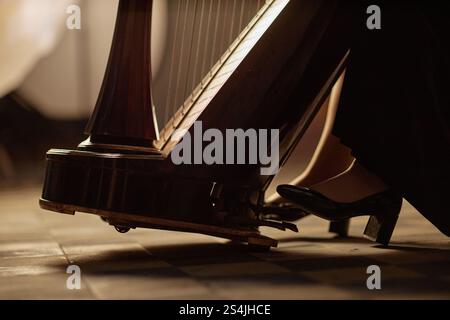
(29, 29)
(60, 71)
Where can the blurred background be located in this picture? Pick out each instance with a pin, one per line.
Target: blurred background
(49, 77)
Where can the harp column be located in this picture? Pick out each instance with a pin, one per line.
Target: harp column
(124, 116)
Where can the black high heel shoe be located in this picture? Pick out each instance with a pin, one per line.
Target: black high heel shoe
(383, 209)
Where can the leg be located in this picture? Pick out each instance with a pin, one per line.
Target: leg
(330, 157)
(352, 185)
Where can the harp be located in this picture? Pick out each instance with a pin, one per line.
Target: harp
(276, 74)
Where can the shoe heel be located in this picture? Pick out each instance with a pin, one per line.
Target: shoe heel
(380, 228)
(340, 227)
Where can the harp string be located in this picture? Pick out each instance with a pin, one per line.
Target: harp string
(241, 18)
(167, 105)
(233, 18)
(191, 49)
(198, 45)
(208, 28)
(224, 29)
(200, 32)
(183, 43)
(216, 29)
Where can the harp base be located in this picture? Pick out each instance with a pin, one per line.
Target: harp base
(142, 191)
(122, 221)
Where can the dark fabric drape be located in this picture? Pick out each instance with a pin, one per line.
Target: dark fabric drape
(395, 105)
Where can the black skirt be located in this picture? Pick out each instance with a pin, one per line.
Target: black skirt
(395, 105)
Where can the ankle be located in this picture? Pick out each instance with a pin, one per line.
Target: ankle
(354, 184)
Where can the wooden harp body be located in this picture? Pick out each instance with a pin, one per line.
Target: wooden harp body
(275, 75)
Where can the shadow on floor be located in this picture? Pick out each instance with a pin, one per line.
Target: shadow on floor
(407, 271)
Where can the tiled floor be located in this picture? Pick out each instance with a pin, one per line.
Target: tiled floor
(37, 246)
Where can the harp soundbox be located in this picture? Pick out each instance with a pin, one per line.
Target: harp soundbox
(275, 75)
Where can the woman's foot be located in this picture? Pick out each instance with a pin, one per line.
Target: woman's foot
(354, 184)
(356, 192)
(313, 202)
